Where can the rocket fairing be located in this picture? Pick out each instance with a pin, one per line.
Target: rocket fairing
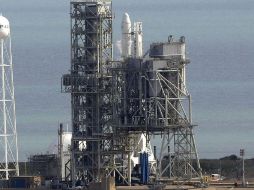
(126, 36)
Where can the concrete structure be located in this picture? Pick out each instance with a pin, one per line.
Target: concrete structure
(8, 133)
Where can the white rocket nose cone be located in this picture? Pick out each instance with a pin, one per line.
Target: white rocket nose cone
(126, 18)
(126, 35)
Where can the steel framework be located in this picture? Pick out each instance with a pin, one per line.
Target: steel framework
(8, 133)
(114, 102)
(89, 85)
(152, 98)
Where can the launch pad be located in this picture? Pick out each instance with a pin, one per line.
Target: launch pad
(118, 103)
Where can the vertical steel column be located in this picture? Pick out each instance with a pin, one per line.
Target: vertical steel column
(8, 132)
(89, 85)
(170, 110)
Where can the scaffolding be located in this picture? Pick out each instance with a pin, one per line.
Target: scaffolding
(151, 98)
(115, 102)
(89, 85)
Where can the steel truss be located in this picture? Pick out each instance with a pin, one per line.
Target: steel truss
(114, 102)
(8, 133)
(89, 85)
(156, 102)
(169, 115)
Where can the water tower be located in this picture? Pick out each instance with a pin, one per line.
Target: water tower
(8, 133)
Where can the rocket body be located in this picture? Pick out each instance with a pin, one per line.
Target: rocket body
(126, 36)
(139, 50)
(138, 40)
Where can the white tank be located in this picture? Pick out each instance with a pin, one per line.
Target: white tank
(4, 27)
(126, 36)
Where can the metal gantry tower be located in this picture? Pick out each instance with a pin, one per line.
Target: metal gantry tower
(153, 99)
(89, 85)
(115, 103)
(169, 110)
(8, 133)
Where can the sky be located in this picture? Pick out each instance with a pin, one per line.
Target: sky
(220, 45)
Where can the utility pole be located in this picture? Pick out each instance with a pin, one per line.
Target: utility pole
(243, 172)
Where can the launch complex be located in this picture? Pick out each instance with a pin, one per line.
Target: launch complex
(131, 117)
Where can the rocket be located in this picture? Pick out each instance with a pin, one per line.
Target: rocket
(126, 36)
(138, 40)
